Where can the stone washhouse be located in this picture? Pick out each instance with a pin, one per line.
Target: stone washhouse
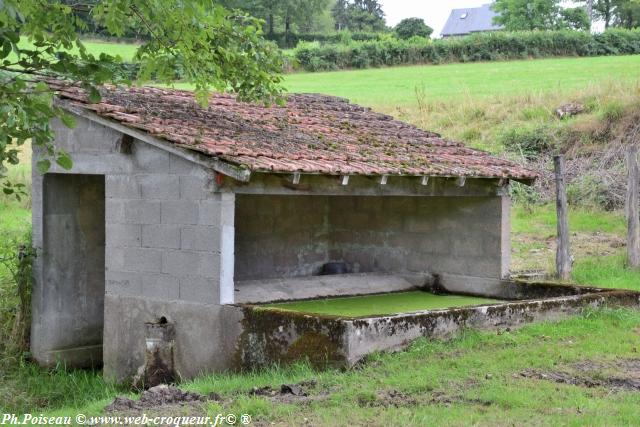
(182, 215)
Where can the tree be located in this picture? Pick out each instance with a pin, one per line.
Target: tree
(304, 15)
(340, 14)
(626, 14)
(575, 18)
(518, 15)
(359, 15)
(617, 13)
(412, 27)
(215, 49)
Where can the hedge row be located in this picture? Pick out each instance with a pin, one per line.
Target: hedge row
(477, 47)
(291, 40)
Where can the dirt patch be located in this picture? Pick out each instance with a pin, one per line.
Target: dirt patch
(620, 375)
(395, 398)
(446, 399)
(300, 393)
(398, 399)
(158, 397)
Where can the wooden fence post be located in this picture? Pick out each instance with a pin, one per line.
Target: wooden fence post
(633, 220)
(563, 253)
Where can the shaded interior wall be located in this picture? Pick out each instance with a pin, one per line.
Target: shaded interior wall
(442, 235)
(289, 236)
(73, 258)
(280, 236)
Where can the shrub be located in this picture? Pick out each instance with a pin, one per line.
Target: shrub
(16, 257)
(384, 50)
(588, 190)
(413, 27)
(612, 111)
(528, 141)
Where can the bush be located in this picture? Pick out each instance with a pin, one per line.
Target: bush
(612, 111)
(528, 141)
(387, 51)
(291, 40)
(588, 190)
(16, 257)
(413, 27)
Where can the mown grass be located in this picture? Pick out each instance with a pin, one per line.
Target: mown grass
(385, 88)
(126, 51)
(472, 379)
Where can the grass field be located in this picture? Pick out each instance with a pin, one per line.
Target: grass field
(396, 87)
(126, 51)
(402, 302)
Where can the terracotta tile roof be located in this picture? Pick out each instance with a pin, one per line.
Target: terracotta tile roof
(311, 134)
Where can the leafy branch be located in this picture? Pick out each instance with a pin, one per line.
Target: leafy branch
(214, 48)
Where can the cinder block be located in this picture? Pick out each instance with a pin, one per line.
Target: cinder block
(114, 258)
(200, 238)
(161, 286)
(210, 212)
(141, 212)
(122, 187)
(144, 260)
(123, 283)
(199, 289)
(181, 166)
(183, 263)
(114, 210)
(150, 159)
(416, 223)
(161, 236)
(159, 186)
(196, 187)
(122, 235)
(180, 212)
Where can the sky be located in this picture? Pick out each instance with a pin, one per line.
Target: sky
(434, 12)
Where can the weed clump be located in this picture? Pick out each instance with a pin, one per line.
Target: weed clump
(529, 141)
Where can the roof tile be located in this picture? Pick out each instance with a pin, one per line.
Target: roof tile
(310, 134)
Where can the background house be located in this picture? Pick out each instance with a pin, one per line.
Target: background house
(463, 22)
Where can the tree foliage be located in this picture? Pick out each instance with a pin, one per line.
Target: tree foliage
(618, 13)
(214, 49)
(303, 16)
(358, 15)
(412, 27)
(521, 15)
(575, 18)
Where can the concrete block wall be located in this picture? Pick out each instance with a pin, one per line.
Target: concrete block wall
(291, 236)
(280, 236)
(463, 236)
(164, 226)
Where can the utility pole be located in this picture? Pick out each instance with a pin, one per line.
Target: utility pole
(590, 10)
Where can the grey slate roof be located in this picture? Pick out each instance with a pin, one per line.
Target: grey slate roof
(470, 20)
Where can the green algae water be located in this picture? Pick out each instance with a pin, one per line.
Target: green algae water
(369, 305)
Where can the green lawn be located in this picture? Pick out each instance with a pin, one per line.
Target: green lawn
(387, 88)
(125, 50)
(402, 302)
